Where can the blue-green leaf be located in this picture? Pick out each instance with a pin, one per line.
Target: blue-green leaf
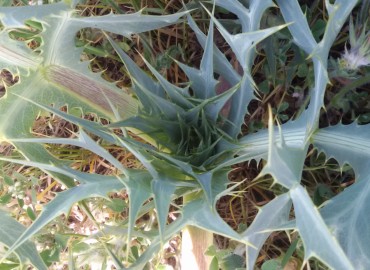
(163, 189)
(299, 28)
(347, 217)
(10, 231)
(347, 144)
(269, 217)
(323, 245)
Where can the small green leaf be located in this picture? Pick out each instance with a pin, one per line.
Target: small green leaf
(135, 252)
(318, 29)
(50, 255)
(31, 214)
(211, 251)
(117, 205)
(302, 71)
(8, 180)
(5, 198)
(272, 265)
(283, 106)
(231, 262)
(214, 264)
(20, 202)
(81, 247)
(321, 194)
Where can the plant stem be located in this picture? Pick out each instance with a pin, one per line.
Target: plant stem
(195, 242)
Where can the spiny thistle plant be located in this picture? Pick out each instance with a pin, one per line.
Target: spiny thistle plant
(190, 145)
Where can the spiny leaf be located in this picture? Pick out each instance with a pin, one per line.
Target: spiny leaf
(214, 105)
(16, 56)
(94, 127)
(10, 230)
(176, 94)
(138, 188)
(83, 141)
(299, 28)
(64, 201)
(317, 93)
(197, 213)
(256, 10)
(15, 17)
(60, 31)
(162, 188)
(309, 222)
(293, 134)
(221, 64)
(338, 14)
(303, 37)
(206, 65)
(347, 144)
(283, 163)
(347, 217)
(156, 105)
(62, 79)
(90, 90)
(239, 105)
(163, 132)
(239, 10)
(197, 81)
(242, 44)
(268, 218)
(137, 74)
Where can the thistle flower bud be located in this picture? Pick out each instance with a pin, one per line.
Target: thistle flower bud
(359, 53)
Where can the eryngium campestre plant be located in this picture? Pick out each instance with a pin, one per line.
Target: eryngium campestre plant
(192, 144)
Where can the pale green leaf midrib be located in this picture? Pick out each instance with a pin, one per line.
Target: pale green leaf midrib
(52, 53)
(9, 56)
(348, 142)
